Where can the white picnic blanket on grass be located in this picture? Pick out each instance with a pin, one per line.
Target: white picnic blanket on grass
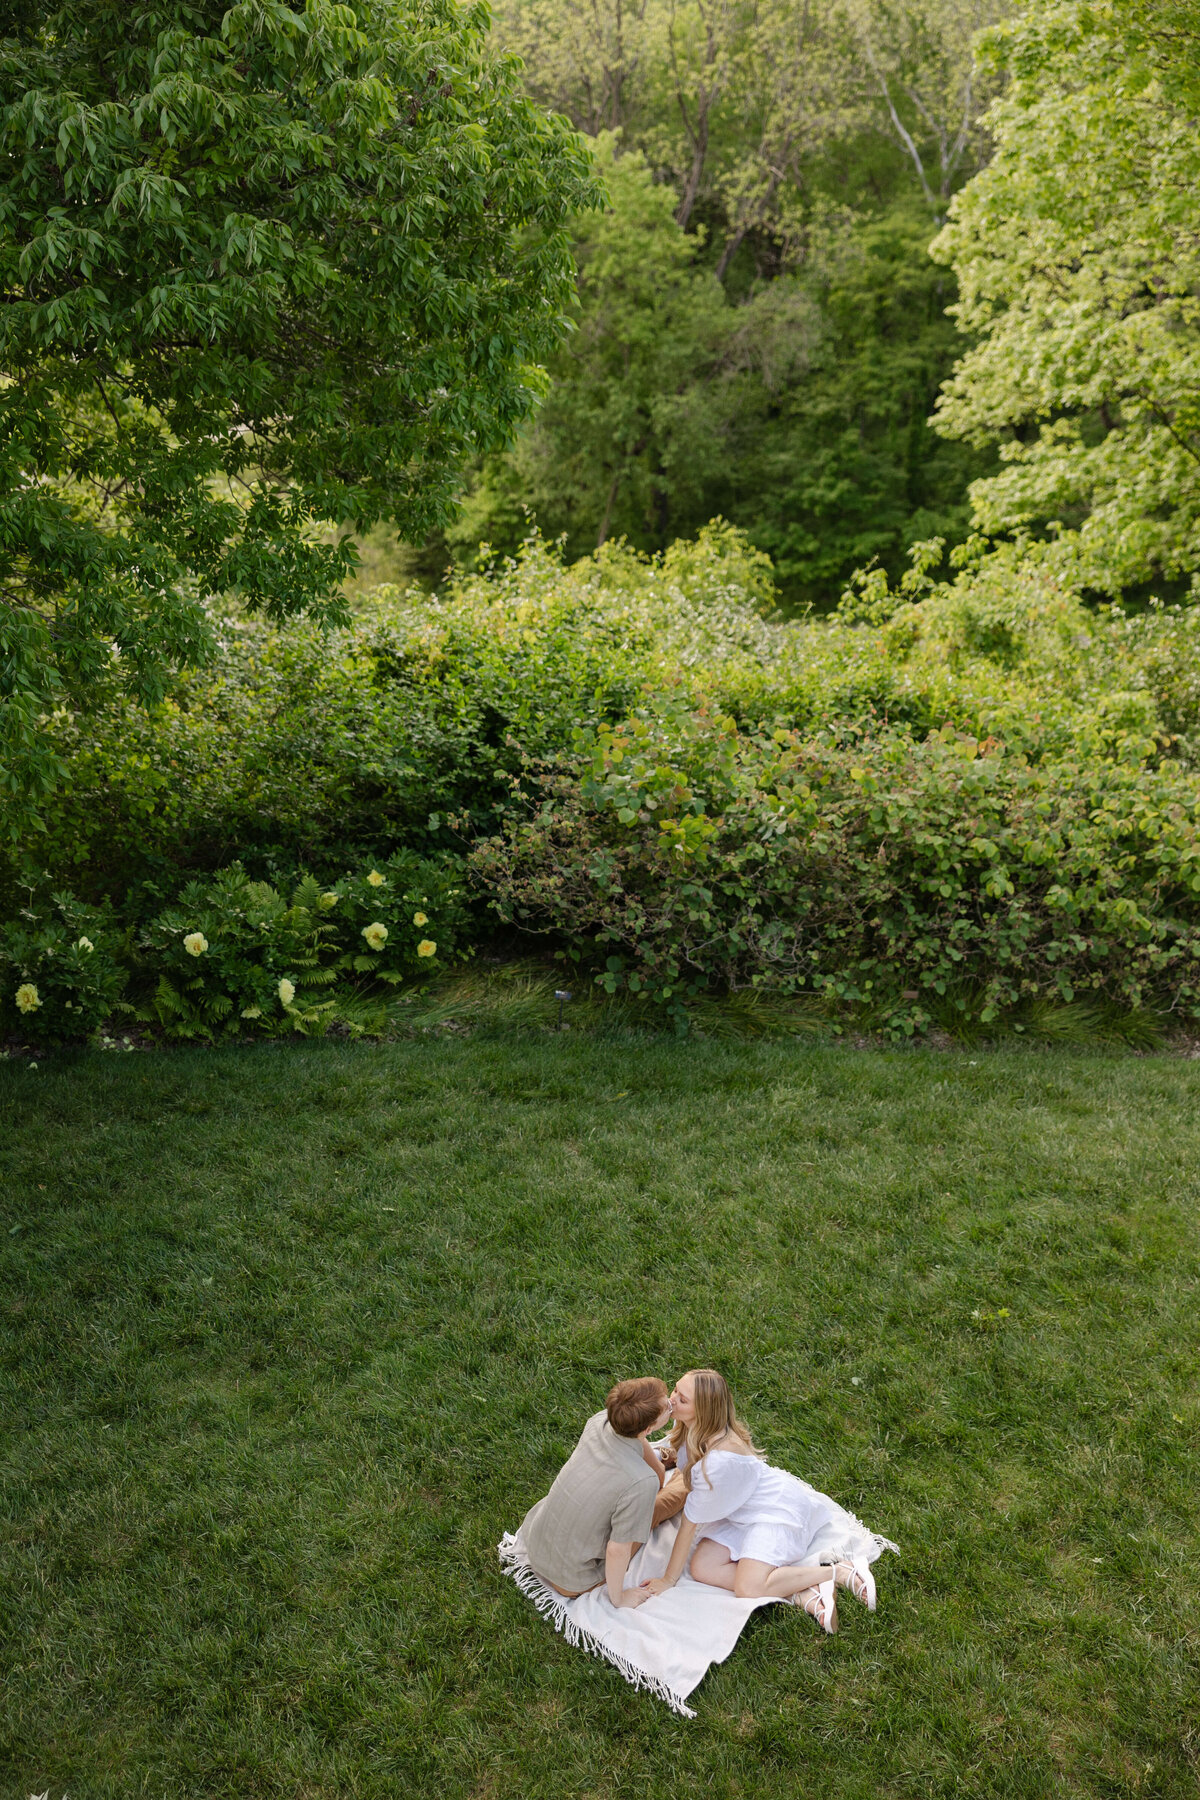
(669, 1644)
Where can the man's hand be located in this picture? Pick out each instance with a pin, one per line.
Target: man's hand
(635, 1596)
(617, 1558)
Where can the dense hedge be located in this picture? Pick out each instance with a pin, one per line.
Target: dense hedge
(913, 879)
(970, 791)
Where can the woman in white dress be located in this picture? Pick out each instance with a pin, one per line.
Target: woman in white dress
(758, 1527)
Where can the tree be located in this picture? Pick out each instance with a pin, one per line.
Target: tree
(830, 460)
(1077, 253)
(726, 98)
(625, 435)
(919, 65)
(800, 413)
(584, 58)
(264, 266)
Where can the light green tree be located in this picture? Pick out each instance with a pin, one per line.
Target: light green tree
(264, 266)
(725, 97)
(1077, 253)
(924, 85)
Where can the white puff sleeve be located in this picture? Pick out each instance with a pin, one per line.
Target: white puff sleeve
(721, 1483)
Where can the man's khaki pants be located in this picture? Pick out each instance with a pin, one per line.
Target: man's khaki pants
(671, 1497)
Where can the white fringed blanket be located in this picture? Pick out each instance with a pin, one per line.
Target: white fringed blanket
(669, 1644)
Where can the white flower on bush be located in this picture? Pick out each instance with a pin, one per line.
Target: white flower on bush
(195, 943)
(328, 901)
(426, 947)
(375, 879)
(28, 998)
(252, 1012)
(85, 943)
(286, 991)
(376, 935)
(420, 918)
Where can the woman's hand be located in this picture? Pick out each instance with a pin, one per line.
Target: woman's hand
(679, 1555)
(660, 1585)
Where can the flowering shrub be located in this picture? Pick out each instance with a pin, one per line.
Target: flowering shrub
(969, 793)
(401, 915)
(60, 974)
(906, 878)
(232, 955)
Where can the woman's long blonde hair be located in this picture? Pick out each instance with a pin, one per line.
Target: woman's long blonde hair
(714, 1419)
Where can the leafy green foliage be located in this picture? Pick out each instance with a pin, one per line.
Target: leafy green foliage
(761, 334)
(233, 957)
(891, 875)
(303, 749)
(62, 969)
(829, 461)
(265, 267)
(800, 412)
(421, 905)
(628, 440)
(1076, 254)
(973, 789)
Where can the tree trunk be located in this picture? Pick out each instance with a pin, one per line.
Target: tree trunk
(608, 506)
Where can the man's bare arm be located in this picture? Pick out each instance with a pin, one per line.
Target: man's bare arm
(617, 1558)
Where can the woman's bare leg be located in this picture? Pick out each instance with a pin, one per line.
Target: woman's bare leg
(712, 1564)
(753, 1580)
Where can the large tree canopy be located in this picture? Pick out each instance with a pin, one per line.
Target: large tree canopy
(761, 332)
(263, 266)
(1077, 252)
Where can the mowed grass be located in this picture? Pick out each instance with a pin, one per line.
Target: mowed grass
(290, 1336)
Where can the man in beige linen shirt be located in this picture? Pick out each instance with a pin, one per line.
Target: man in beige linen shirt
(606, 1499)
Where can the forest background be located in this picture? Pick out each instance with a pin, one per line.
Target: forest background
(761, 333)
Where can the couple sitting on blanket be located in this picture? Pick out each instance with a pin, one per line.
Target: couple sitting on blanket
(755, 1523)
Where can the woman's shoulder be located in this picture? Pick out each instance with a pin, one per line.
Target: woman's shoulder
(732, 1465)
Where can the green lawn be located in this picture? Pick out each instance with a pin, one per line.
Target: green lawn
(291, 1335)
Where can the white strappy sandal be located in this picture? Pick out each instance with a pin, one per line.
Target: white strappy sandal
(861, 1582)
(821, 1606)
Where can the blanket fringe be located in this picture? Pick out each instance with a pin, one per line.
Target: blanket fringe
(556, 1608)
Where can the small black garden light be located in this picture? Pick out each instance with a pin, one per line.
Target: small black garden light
(561, 994)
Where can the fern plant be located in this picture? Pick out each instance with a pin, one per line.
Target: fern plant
(235, 958)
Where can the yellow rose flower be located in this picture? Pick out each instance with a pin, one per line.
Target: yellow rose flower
(28, 998)
(328, 902)
(376, 935)
(195, 943)
(420, 919)
(426, 947)
(375, 879)
(85, 943)
(286, 991)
